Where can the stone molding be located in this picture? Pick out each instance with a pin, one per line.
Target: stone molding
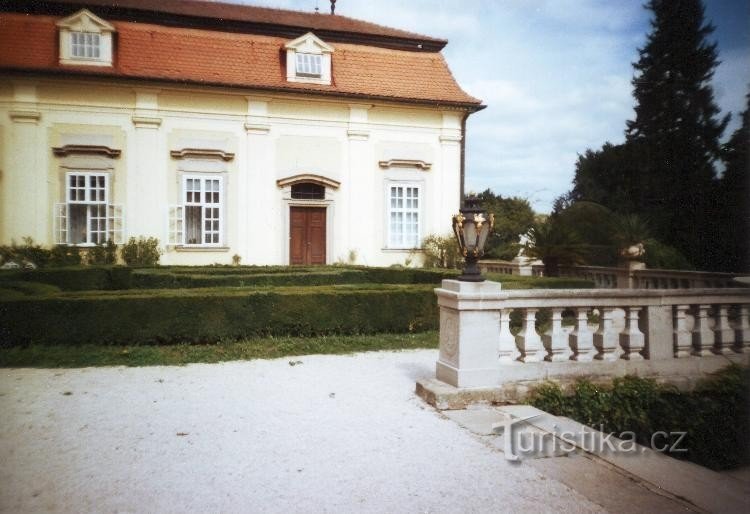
(65, 150)
(204, 153)
(25, 116)
(405, 163)
(146, 122)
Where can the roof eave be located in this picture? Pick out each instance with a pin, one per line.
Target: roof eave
(469, 106)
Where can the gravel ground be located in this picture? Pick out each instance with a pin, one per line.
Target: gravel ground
(328, 434)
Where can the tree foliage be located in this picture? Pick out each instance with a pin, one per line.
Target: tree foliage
(733, 227)
(666, 169)
(513, 217)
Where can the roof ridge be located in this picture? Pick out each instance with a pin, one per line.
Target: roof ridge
(234, 11)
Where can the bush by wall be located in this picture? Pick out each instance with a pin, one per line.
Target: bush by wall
(141, 252)
(210, 315)
(716, 415)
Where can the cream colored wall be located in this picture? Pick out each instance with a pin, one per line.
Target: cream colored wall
(272, 137)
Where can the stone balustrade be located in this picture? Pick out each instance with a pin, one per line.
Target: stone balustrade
(634, 275)
(592, 332)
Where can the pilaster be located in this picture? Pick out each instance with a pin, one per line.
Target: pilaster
(147, 180)
(24, 171)
(258, 197)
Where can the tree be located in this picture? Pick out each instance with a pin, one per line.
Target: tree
(513, 217)
(556, 244)
(677, 127)
(733, 254)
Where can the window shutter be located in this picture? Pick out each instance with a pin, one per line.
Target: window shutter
(61, 223)
(115, 224)
(176, 224)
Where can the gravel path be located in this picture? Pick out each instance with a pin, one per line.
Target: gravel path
(330, 434)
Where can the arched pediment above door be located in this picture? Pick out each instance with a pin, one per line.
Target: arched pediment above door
(308, 178)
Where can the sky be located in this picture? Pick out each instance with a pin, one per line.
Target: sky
(554, 74)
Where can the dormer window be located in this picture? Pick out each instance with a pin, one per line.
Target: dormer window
(309, 65)
(308, 59)
(85, 45)
(85, 39)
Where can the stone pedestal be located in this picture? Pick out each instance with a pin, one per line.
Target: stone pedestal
(469, 333)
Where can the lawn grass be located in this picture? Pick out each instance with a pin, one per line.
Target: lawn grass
(38, 356)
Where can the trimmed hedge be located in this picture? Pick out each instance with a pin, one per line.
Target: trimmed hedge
(91, 278)
(143, 279)
(104, 278)
(220, 277)
(199, 316)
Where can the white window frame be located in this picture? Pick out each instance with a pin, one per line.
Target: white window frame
(308, 60)
(89, 202)
(95, 49)
(399, 241)
(308, 65)
(184, 204)
(88, 48)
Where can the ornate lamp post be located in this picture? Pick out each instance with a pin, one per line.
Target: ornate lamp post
(472, 227)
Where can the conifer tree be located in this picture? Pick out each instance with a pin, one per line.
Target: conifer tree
(677, 128)
(734, 199)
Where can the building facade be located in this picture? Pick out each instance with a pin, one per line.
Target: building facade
(279, 136)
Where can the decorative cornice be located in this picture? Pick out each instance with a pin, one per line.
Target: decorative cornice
(146, 122)
(257, 128)
(25, 116)
(308, 177)
(450, 139)
(405, 163)
(358, 135)
(62, 151)
(201, 152)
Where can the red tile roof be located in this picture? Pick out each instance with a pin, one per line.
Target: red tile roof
(224, 11)
(156, 52)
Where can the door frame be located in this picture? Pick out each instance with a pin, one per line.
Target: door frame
(287, 209)
(329, 203)
(307, 226)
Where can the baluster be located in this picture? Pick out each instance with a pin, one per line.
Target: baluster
(742, 340)
(507, 352)
(607, 337)
(582, 339)
(632, 339)
(556, 339)
(528, 340)
(703, 336)
(683, 338)
(724, 333)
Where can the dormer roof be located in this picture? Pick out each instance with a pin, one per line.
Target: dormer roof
(85, 21)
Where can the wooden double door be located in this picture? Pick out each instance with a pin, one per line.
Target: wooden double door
(307, 235)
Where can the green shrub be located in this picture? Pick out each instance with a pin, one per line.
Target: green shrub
(63, 255)
(103, 254)
(27, 252)
(716, 415)
(141, 252)
(210, 315)
(441, 252)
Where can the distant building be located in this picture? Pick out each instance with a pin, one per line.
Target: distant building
(221, 129)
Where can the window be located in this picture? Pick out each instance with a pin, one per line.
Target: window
(308, 191)
(85, 45)
(85, 40)
(309, 65)
(202, 211)
(86, 217)
(308, 59)
(403, 216)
